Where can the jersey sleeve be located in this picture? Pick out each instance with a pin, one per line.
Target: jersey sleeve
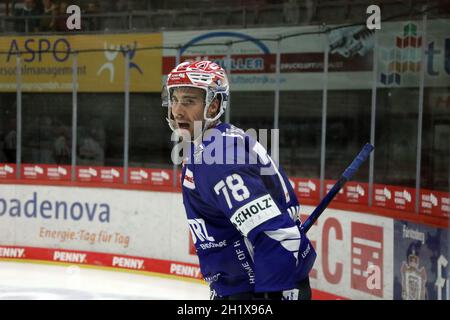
(240, 194)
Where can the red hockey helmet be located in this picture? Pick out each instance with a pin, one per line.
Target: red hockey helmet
(205, 75)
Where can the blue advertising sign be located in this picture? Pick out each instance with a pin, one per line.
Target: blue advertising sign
(421, 262)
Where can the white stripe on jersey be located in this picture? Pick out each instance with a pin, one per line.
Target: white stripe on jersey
(250, 249)
(289, 238)
(188, 180)
(265, 158)
(293, 212)
(283, 184)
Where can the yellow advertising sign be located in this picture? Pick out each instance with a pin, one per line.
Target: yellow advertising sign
(47, 62)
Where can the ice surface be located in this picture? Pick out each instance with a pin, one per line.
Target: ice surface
(25, 281)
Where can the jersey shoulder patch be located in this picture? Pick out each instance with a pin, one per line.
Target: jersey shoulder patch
(188, 180)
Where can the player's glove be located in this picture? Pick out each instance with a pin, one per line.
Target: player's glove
(301, 292)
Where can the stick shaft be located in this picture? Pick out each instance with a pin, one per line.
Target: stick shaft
(346, 176)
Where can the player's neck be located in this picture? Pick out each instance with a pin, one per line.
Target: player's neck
(199, 140)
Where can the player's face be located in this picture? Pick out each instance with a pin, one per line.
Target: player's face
(187, 107)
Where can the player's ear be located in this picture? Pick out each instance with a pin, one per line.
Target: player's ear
(213, 108)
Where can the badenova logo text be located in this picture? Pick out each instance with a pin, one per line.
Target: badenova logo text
(36, 207)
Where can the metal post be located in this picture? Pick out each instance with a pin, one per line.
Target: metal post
(3, 21)
(373, 115)
(448, 232)
(277, 86)
(126, 118)
(228, 69)
(274, 144)
(130, 21)
(324, 118)
(178, 56)
(19, 117)
(74, 113)
(175, 167)
(420, 115)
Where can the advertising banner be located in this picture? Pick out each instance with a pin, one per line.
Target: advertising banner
(7, 171)
(431, 202)
(353, 192)
(155, 177)
(121, 222)
(45, 172)
(394, 197)
(359, 256)
(306, 188)
(350, 63)
(435, 203)
(354, 254)
(421, 269)
(47, 62)
(99, 174)
(253, 59)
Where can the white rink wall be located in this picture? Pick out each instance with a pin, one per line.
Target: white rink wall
(348, 246)
(135, 223)
(152, 225)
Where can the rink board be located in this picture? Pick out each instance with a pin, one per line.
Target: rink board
(142, 231)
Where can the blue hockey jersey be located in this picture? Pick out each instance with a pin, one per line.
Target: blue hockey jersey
(242, 213)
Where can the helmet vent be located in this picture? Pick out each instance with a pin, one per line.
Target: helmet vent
(200, 77)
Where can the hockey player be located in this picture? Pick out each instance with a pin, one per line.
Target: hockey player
(243, 221)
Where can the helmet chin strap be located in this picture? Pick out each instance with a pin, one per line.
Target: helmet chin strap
(208, 123)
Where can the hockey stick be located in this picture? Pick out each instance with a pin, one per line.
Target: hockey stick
(346, 176)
